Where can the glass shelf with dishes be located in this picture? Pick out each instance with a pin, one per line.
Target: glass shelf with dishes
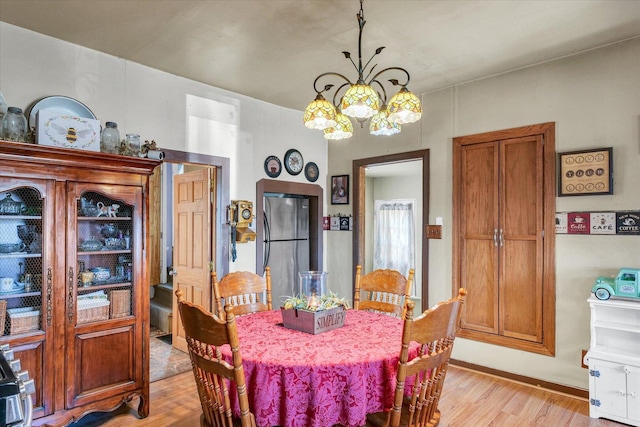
(104, 256)
(20, 261)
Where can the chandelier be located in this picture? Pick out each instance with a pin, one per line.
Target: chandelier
(362, 100)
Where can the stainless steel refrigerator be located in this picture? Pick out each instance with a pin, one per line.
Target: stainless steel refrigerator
(286, 243)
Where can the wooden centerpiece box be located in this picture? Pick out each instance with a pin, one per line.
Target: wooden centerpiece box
(315, 310)
(314, 322)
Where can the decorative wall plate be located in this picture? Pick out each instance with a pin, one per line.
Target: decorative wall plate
(311, 172)
(293, 161)
(62, 105)
(272, 166)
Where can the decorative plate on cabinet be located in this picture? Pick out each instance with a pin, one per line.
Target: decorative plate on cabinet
(311, 172)
(272, 166)
(18, 287)
(293, 161)
(62, 105)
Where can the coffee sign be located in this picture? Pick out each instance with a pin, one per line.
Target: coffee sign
(625, 223)
(578, 223)
(628, 223)
(603, 223)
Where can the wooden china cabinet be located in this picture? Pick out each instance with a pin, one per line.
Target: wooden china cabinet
(73, 236)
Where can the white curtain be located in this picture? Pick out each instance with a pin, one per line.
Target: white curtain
(394, 236)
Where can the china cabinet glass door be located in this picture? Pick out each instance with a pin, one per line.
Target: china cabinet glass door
(104, 252)
(21, 268)
(26, 278)
(104, 262)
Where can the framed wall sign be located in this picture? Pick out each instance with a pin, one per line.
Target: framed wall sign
(584, 173)
(340, 190)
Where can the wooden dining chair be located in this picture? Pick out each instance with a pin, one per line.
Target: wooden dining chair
(434, 330)
(385, 291)
(246, 292)
(205, 333)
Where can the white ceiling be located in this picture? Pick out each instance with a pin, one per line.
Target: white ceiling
(273, 49)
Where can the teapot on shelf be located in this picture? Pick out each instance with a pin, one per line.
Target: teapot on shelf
(109, 230)
(8, 206)
(87, 207)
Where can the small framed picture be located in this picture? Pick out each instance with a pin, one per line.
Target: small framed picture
(340, 190)
(587, 172)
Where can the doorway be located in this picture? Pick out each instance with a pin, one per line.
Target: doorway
(167, 360)
(364, 170)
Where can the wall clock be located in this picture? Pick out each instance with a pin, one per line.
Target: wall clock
(311, 172)
(293, 161)
(272, 166)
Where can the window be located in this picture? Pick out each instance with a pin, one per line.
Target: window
(394, 237)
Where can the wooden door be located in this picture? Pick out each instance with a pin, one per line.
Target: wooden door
(520, 238)
(504, 203)
(479, 257)
(192, 254)
(502, 239)
(155, 209)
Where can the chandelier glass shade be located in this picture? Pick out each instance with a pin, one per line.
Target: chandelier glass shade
(404, 107)
(362, 100)
(320, 114)
(342, 130)
(380, 124)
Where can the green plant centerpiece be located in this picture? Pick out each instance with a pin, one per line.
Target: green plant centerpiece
(315, 303)
(314, 314)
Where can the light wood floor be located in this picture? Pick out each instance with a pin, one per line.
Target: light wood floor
(470, 399)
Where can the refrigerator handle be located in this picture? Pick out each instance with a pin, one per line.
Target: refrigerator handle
(267, 240)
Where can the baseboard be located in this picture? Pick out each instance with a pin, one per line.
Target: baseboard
(573, 391)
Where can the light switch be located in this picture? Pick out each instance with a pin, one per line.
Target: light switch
(438, 220)
(433, 231)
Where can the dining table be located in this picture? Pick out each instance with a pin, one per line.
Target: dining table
(298, 379)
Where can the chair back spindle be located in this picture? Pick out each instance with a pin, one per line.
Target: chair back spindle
(246, 292)
(383, 291)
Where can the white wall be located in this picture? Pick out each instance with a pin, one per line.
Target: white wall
(154, 104)
(593, 98)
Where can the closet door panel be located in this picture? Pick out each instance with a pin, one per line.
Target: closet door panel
(520, 238)
(479, 238)
(520, 191)
(520, 290)
(479, 275)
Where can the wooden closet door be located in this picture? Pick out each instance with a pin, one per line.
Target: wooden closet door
(479, 222)
(501, 264)
(520, 241)
(503, 202)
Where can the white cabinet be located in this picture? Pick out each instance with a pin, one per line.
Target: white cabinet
(614, 360)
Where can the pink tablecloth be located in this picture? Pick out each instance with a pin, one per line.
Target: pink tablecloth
(295, 379)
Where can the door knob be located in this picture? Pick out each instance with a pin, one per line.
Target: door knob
(173, 272)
